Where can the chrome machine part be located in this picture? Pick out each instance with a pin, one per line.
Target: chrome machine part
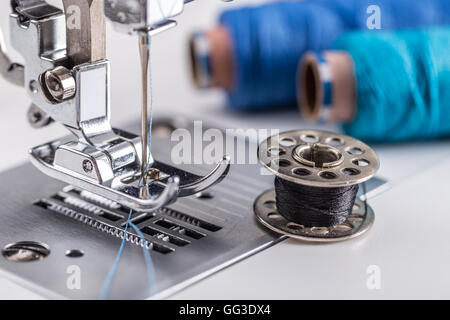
(12, 72)
(38, 118)
(86, 42)
(144, 52)
(356, 224)
(60, 83)
(67, 78)
(135, 16)
(189, 240)
(316, 159)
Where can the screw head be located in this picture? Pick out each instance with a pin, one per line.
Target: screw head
(60, 83)
(37, 118)
(25, 251)
(88, 166)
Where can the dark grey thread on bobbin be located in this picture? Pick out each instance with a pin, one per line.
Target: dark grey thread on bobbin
(314, 206)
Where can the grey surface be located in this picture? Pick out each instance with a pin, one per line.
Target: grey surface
(230, 209)
(409, 240)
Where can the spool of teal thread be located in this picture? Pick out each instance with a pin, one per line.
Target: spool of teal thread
(402, 84)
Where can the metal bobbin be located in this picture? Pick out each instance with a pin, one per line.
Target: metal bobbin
(317, 159)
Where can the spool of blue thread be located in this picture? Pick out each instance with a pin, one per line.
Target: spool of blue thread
(402, 82)
(269, 40)
(200, 48)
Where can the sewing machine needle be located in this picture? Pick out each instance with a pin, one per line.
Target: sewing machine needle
(144, 48)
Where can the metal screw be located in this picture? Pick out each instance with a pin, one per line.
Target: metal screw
(153, 174)
(38, 118)
(34, 86)
(25, 251)
(88, 166)
(60, 83)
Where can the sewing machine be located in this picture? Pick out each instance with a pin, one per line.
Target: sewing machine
(64, 224)
(66, 75)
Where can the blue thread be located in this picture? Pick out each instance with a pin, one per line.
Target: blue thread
(109, 278)
(148, 261)
(402, 81)
(268, 41)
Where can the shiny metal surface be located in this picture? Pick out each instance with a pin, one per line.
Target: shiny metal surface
(133, 16)
(318, 158)
(60, 83)
(212, 178)
(144, 52)
(12, 72)
(357, 223)
(225, 221)
(38, 118)
(85, 29)
(142, 16)
(65, 161)
(107, 184)
(33, 9)
(25, 251)
(68, 82)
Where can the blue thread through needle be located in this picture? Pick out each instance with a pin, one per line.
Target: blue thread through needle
(148, 260)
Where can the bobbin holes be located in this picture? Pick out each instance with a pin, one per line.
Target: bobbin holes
(320, 230)
(355, 220)
(351, 171)
(328, 175)
(294, 226)
(361, 162)
(301, 172)
(282, 163)
(273, 215)
(309, 138)
(344, 227)
(287, 142)
(335, 141)
(275, 152)
(355, 151)
(270, 205)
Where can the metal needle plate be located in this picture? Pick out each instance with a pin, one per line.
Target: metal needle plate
(357, 223)
(203, 233)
